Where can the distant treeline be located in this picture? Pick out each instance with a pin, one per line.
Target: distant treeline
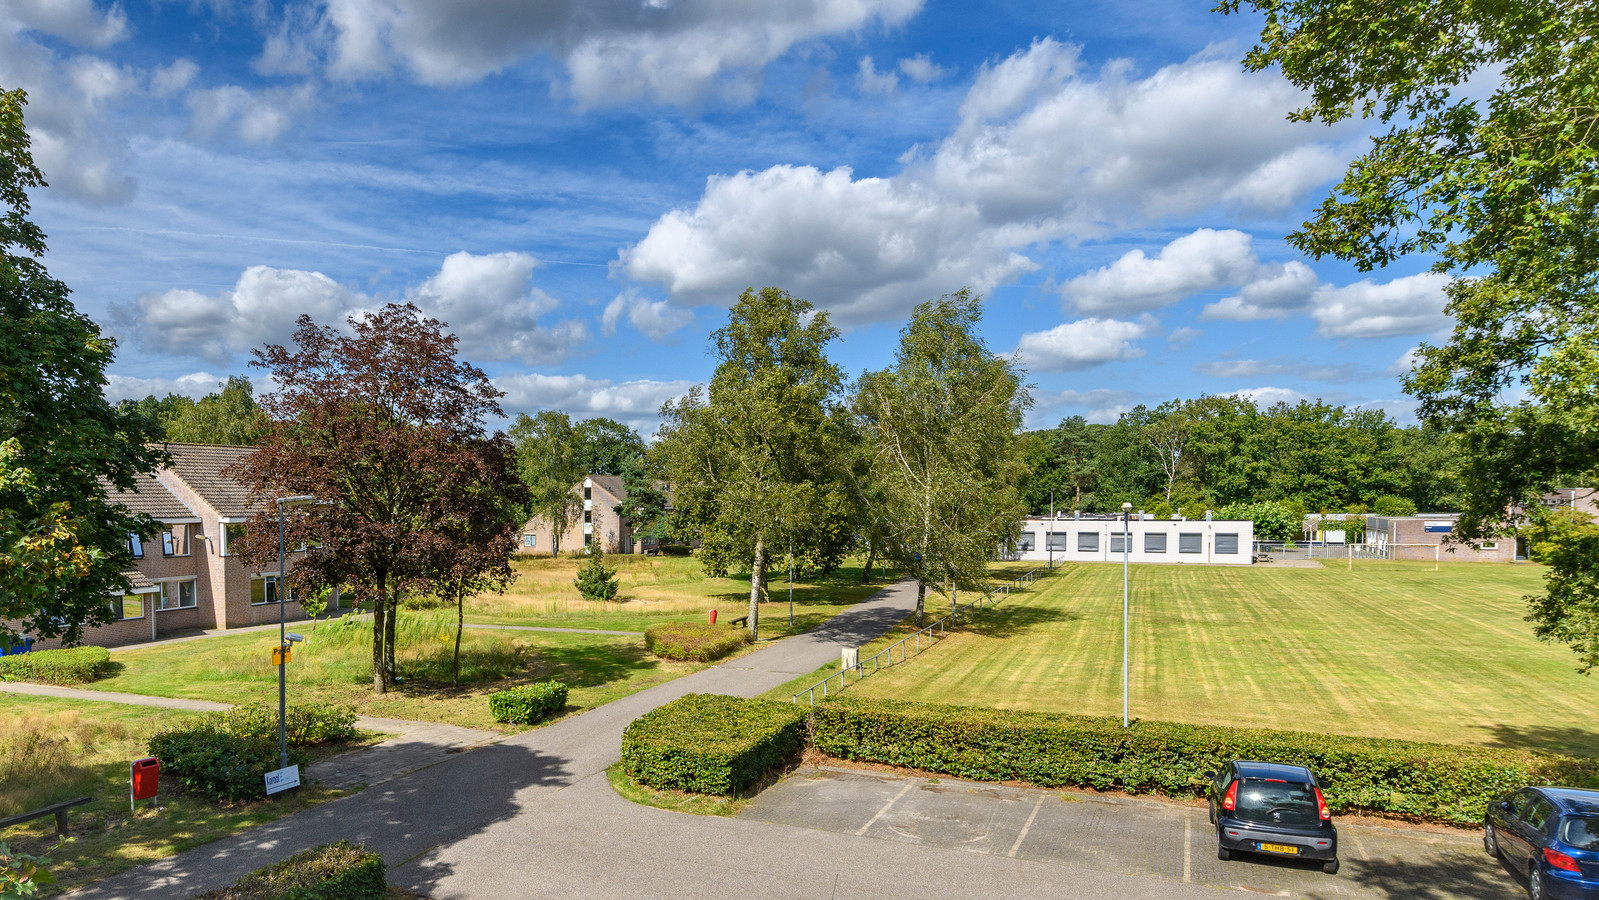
(1187, 456)
(227, 416)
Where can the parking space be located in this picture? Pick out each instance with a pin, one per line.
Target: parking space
(1137, 837)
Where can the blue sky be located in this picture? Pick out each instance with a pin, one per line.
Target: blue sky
(581, 187)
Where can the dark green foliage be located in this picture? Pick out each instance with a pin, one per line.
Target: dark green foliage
(606, 446)
(694, 641)
(337, 871)
(1432, 782)
(595, 580)
(224, 766)
(1567, 541)
(711, 744)
(528, 703)
(227, 416)
(68, 666)
(1273, 521)
(646, 507)
(1389, 505)
(305, 724)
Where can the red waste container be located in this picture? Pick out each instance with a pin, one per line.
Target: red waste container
(146, 776)
(713, 617)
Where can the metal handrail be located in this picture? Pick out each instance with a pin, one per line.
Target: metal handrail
(958, 615)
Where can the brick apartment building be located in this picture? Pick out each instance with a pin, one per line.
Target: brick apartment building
(186, 575)
(1426, 536)
(598, 521)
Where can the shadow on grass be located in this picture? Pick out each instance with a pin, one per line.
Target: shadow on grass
(1008, 621)
(1549, 739)
(1409, 878)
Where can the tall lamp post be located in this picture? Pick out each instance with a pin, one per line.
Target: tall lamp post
(1127, 540)
(283, 641)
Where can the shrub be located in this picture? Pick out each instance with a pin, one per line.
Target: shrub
(595, 580)
(1273, 521)
(306, 724)
(337, 871)
(67, 666)
(1433, 782)
(694, 641)
(222, 765)
(528, 703)
(711, 744)
(666, 549)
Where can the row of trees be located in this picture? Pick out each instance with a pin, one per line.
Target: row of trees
(1188, 456)
(228, 415)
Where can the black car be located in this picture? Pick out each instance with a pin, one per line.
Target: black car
(1551, 835)
(1274, 810)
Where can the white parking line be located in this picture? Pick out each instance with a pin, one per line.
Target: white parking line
(1026, 828)
(886, 806)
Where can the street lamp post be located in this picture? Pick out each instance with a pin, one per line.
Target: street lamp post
(791, 582)
(283, 641)
(1127, 509)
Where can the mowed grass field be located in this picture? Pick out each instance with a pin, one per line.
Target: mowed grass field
(656, 589)
(1391, 649)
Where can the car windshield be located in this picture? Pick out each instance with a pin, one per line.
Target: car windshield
(1581, 832)
(1276, 803)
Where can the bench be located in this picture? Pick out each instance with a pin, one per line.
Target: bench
(59, 810)
(1263, 557)
(741, 620)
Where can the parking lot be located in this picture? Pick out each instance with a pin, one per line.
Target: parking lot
(1123, 835)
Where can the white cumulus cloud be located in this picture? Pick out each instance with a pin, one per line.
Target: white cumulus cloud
(1410, 305)
(1202, 261)
(655, 319)
(636, 403)
(128, 387)
(1083, 344)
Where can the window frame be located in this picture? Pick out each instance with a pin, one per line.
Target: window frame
(1125, 538)
(1197, 536)
(1087, 542)
(228, 538)
(1218, 542)
(1026, 541)
(194, 594)
(120, 602)
(136, 545)
(1151, 538)
(269, 587)
(1061, 546)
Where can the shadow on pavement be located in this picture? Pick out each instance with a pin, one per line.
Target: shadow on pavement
(1428, 879)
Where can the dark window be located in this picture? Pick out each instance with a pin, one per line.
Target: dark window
(1087, 542)
(167, 548)
(1057, 541)
(127, 606)
(1538, 814)
(265, 590)
(1025, 543)
(588, 493)
(1227, 543)
(1154, 542)
(1276, 803)
(1518, 803)
(1118, 541)
(1581, 832)
(1190, 542)
(588, 515)
(136, 546)
(233, 533)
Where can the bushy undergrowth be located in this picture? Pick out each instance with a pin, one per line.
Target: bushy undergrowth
(337, 871)
(225, 755)
(694, 641)
(528, 703)
(66, 666)
(711, 744)
(44, 753)
(1433, 782)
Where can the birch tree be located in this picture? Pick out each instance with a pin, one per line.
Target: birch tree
(946, 459)
(752, 456)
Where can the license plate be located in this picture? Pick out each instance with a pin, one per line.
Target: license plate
(1278, 848)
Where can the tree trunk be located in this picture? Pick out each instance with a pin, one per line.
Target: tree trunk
(757, 572)
(871, 557)
(379, 615)
(389, 628)
(921, 594)
(460, 619)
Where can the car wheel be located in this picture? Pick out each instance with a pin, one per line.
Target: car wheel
(1212, 812)
(1535, 883)
(1490, 841)
(1330, 867)
(1222, 853)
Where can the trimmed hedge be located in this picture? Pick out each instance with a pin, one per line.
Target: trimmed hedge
(528, 703)
(1434, 782)
(694, 641)
(218, 763)
(66, 666)
(306, 724)
(337, 871)
(711, 744)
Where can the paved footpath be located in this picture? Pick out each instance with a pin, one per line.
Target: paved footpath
(534, 816)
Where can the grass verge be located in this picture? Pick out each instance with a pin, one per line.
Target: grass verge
(677, 801)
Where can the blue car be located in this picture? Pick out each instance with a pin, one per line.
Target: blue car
(1551, 835)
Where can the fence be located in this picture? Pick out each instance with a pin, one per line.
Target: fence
(934, 633)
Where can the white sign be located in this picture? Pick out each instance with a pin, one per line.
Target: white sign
(282, 780)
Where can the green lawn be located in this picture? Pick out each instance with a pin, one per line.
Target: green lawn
(1390, 649)
(658, 589)
(334, 666)
(53, 749)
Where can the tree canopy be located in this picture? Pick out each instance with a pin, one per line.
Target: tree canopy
(63, 544)
(228, 415)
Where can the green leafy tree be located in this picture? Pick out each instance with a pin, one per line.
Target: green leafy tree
(647, 506)
(549, 455)
(942, 424)
(751, 458)
(595, 580)
(63, 543)
(606, 446)
(1273, 521)
(1567, 542)
(229, 416)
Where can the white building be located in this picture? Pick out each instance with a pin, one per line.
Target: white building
(1067, 538)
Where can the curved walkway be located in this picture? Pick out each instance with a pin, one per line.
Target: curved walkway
(534, 816)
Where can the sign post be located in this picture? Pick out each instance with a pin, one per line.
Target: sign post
(282, 779)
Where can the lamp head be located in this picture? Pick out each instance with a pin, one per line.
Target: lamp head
(294, 638)
(1127, 507)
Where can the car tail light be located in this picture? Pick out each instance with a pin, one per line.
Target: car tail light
(1321, 806)
(1230, 802)
(1560, 860)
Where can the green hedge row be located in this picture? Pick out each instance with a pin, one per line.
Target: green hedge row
(1434, 782)
(337, 871)
(305, 724)
(226, 755)
(694, 641)
(528, 703)
(711, 744)
(67, 666)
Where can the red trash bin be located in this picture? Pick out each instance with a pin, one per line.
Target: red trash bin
(144, 776)
(713, 617)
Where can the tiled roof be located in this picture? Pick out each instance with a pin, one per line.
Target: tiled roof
(141, 583)
(149, 496)
(612, 485)
(200, 466)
